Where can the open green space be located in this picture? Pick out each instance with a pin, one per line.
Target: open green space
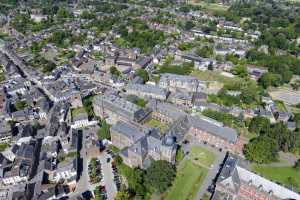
(190, 174)
(280, 106)
(3, 146)
(157, 124)
(208, 6)
(4, 36)
(40, 62)
(215, 76)
(201, 156)
(295, 109)
(187, 182)
(77, 111)
(286, 176)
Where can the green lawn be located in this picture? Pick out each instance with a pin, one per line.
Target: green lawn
(3, 146)
(77, 111)
(295, 110)
(190, 174)
(187, 182)
(209, 6)
(280, 105)
(202, 156)
(280, 175)
(215, 76)
(157, 124)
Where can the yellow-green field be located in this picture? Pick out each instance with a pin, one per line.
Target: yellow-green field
(209, 6)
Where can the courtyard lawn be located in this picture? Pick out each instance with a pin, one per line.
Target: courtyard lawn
(77, 111)
(201, 156)
(286, 176)
(187, 182)
(157, 124)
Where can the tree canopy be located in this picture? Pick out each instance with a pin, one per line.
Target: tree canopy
(159, 176)
(143, 74)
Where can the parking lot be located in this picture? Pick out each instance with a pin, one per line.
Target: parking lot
(110, 180)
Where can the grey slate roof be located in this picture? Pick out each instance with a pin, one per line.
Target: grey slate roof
(147, 89)
(128, 130)
(217, 129)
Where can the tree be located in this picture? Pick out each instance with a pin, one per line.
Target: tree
(297, 165)
(179, 154)
(189, 25)
(20, 105)
(143, 74)
(204, 52)
(292, 182)
(122, 195)
(114, 71)
(104, 131)
(270, 79)
(259, 125)
(159, 176)
(261, 150)
(240, 70)
(62, 13)
(88, 15)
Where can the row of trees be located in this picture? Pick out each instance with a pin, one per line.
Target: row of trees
(271, 139)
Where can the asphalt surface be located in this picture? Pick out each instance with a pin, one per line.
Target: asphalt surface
(108, 176)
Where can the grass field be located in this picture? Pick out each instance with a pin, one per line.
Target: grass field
(187, 182)
(190, 174)
(209, 6)
(201, 156)
(157, 124)
(77, 111)
(215, 76)
(295, 110)
(280, 105)
(280, 175)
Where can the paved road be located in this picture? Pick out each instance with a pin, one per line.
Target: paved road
(212, 172)
(108, 176)
(83, 183)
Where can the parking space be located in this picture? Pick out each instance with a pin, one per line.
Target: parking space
(110, 180)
